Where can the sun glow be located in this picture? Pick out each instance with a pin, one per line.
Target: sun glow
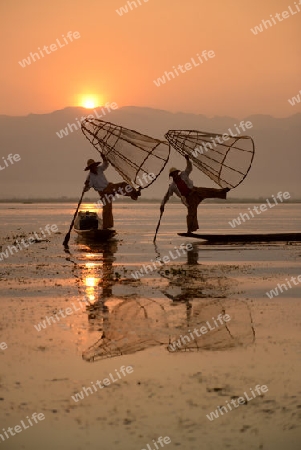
(89, 101)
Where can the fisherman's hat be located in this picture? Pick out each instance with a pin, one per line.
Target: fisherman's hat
(173, 169)
(91, 163)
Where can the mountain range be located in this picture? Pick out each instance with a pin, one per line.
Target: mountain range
(53, 153)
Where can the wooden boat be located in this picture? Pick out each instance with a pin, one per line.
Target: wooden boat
(229, 238)
(88, 225)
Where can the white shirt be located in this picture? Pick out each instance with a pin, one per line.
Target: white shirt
(99, 181)
(173, 188)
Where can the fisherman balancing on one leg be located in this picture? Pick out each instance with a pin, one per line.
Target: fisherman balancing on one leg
(191, 196)
(107, 191)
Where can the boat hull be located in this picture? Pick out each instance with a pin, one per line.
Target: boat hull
(228, 238)
(96, 234)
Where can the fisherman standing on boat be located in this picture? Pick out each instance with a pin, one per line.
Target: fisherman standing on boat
(190, 196)
(107, 191)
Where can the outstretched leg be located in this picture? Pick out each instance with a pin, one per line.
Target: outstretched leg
(195, 198)
(211, 192)
(122, 188)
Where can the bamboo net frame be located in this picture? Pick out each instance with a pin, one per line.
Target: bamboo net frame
(135, 156)
(225, 161)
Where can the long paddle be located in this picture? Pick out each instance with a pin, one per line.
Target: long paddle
(67, 237)
(158, 227)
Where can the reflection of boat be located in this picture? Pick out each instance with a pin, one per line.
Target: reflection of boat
(88, 225)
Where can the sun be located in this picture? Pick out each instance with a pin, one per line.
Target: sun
(89, 101)
(89, 104)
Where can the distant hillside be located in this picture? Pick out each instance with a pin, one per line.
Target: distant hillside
(51, 166)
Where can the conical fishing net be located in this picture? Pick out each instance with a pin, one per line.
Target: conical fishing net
(225, 159)
(138, 158)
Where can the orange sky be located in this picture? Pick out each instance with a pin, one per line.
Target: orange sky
(118, 57)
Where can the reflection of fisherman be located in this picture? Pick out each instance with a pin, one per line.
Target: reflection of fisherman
(191, 196)
(106, 190)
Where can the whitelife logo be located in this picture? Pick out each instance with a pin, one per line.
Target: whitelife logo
(184, 340)
(183, 68)
(222, 138)
(280, 17)
(49, 320)
(31, 240)
(3, 345)
(259, 209)
(106, 382)
(241, 401)
(295, 100)
(109, 198)
(124, 9)
(166, 259)
(53, 48)
(274, 292)
(17, 428)
(161, 440)
(73, 127)
(11, 158)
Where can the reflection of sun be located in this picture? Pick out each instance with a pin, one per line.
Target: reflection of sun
(91, 284)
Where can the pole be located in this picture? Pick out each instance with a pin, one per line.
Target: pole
(67, 237)
(158, 227)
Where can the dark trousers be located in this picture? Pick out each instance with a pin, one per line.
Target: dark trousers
(107, 196)
(196, 196)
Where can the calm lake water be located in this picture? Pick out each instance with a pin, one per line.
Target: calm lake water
(135, 224)
(131, 322)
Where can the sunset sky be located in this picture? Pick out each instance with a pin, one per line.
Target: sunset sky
(117, 58)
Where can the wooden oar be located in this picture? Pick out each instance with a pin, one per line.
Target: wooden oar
(158, 227)
(67, 237)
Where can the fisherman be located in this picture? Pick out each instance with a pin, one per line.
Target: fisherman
(106, 190)
(191, 196)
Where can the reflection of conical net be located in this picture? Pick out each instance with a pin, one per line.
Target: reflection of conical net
(217, 333)
(137, 324)
(133, 325)
(139, 159)
(226, 162)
